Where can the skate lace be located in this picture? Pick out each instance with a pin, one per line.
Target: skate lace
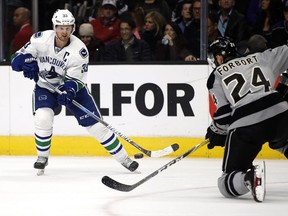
(127, 162)
(41, 160)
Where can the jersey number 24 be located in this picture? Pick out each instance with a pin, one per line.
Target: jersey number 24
(258, 79)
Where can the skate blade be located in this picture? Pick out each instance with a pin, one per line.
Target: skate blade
(40, 172)
(137, 172)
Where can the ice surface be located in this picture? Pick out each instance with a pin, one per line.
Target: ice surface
(72, 186)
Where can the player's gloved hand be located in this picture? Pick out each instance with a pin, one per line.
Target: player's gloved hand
(28, 64)
(216, 137)
(30, 69)
(68, 90)
(282, 86)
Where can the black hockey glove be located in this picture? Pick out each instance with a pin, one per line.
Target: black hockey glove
(216, 137)
(282, 86)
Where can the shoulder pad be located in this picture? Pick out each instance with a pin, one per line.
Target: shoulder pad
(210, 81)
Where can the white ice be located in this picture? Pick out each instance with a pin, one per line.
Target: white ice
(72, 186)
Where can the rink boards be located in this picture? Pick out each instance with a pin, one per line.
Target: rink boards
(154, 105)
(87, 146)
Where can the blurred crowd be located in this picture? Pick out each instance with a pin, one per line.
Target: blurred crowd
(155, 30)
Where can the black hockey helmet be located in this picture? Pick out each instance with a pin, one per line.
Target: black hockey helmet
(223, 46)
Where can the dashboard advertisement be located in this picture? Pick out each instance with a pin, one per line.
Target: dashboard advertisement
(140, 100)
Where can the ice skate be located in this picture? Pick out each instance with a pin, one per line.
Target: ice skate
(40, 164)
(130, 164)
(255, 180)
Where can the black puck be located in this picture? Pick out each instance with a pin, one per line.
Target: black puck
(138, 156)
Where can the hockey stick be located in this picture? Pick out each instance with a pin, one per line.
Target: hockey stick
(157, 153)
(109, 182)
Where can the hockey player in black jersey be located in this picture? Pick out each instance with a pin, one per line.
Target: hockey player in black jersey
(249, 113)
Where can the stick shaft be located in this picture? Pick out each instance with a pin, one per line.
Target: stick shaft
(126, 188)
(149, 153)
(91, 114)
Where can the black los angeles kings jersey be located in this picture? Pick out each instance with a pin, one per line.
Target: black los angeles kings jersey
(243, 88)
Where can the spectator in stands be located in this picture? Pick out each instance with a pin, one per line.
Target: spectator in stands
(252, 11)
(95, 47)
(130, 48)
(279, 34)
(106, 26)
(173, 45)
(9, 30)
(192, 31)
(185, 17)
(138, 15)
(257, 43)
(22, 19)
(153, 29)
(156, 5)
(212, 26)
(231, 23)
(271, 13)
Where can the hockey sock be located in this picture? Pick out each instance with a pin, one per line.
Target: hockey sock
(43, 121)
(109, 141)
(43, 145)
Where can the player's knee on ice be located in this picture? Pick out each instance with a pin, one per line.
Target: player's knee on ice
(232, 184)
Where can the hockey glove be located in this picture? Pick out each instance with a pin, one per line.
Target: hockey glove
(28, 64)
(68, 90)
(217, 137)
(30, 70)
(282, 86)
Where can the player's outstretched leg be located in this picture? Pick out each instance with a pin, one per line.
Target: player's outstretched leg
(113, 145)
(43, 120)
(255, 179)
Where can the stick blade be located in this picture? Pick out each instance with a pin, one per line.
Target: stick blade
(168, 150)
(109, 182)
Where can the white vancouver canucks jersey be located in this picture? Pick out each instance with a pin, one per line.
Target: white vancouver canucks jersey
(69, 62)
(243, 88)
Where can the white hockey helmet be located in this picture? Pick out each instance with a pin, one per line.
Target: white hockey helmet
(63, 17)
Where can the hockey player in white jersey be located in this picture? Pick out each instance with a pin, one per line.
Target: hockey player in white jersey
(62, 59)
(249, 113)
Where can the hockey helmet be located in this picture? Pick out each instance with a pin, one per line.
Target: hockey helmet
(63, 17)
(223, 46)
